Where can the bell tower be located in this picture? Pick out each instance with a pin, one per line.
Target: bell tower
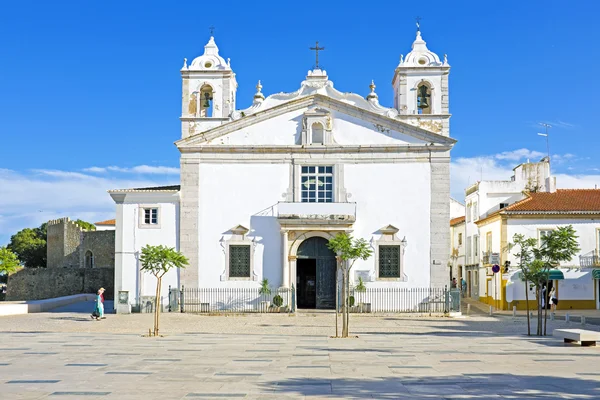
(421, 88)
(208, 91)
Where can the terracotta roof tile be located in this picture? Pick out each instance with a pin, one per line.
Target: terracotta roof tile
(457, 220)
(563, 200)
(107, 222)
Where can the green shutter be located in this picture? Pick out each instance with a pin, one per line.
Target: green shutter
(239, 261)
(389, 261)
(596, 274)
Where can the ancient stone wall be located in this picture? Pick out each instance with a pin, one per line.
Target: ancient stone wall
(45, 283)
(102, 245)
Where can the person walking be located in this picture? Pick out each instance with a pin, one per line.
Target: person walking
(98, 313)
(553, 299)
(463, 284)
(453, 284)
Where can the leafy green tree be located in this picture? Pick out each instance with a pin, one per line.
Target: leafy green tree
(158, 260)
(85, 225)
(537, 259)
(30, 246)
(9, 262)
(348, 250)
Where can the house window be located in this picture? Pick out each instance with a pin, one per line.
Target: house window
(468, 213)
(502, 205)
(468, 250)
(475, 212)
(389, 261)
(488, 242)
(317, 184)
(476, 247)
(460, 239)
(151, 216)
(239, 261)
(542, 233)
(89, 259)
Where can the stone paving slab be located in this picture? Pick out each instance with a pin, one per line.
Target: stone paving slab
(281, 357)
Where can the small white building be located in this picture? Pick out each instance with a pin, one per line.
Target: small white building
(576, 280)
(263, 188)
(457, 248)
(486, 197)
(108, 225)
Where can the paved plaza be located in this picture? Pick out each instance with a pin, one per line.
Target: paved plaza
(66, 355)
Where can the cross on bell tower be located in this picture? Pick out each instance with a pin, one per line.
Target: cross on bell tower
(316, 49)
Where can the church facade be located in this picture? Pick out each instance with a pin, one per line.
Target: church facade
(263, 188)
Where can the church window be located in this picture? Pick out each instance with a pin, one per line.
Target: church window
(389, 261)
(317, 133)
(424, 98)
(151, 216)
(317, 184)
(239, 261)
(89, 259)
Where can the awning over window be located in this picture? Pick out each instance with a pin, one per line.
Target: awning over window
(554, 275)
(596, 274)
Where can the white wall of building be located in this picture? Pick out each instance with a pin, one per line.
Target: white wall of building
(396, 194)
(131, 236)
(247, 195)
(457, 209)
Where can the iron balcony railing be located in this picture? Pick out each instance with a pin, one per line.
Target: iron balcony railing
(591, 259)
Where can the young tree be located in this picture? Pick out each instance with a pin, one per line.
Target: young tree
(158, 260)
(537, 259)
(525, 257)
(348, 250)
(558, 246)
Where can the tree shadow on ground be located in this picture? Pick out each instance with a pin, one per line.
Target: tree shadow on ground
(472, 386)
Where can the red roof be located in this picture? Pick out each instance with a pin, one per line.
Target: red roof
(107, 222)
(457, 220)
(563, 200)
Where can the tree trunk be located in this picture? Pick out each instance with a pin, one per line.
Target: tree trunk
(546, 298)
(527, 307)
(337, 300)
(157, 304)
(348, 312)
(344, 303)
(539, 321)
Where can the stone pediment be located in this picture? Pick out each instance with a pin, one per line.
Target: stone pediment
(319, 103)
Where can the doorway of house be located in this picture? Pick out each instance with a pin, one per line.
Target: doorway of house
(315, 274)
(307, 283)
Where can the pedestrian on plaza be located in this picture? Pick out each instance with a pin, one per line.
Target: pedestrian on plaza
(553, 299)
(98, 313)
(453, 284)
(463, 285)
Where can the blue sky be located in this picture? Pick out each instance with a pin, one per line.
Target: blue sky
(91, 85)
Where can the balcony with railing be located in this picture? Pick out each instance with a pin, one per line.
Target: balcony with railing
(293, 213)
(591, 259)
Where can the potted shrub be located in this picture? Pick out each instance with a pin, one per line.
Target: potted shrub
(361, 289)
(265, 290)
(277, 302)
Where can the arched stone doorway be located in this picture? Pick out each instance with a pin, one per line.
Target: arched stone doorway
(315, 274)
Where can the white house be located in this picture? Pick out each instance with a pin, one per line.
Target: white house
(108, 225)
(577, 280)
(485, 197)
(264, 188)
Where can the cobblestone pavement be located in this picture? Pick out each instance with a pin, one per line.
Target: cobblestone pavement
(66, 355)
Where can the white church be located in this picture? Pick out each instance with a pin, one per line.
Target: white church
(264, 188)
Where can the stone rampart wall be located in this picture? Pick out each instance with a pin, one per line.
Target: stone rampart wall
(45, 283)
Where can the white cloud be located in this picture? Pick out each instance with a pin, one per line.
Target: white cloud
(465, 171)
(139, 169)
(520, 154)
(28, 199)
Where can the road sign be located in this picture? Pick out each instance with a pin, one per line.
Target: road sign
(495, 258)
(496, 268)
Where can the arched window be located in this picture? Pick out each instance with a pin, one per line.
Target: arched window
(206, 101)
(424, 98)
(89, 259)
(317, 133)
